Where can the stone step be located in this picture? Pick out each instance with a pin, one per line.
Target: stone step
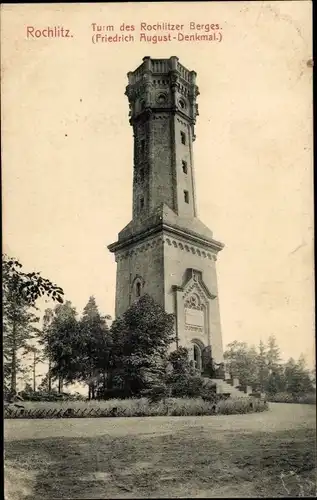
(233, 381)
(222, 387)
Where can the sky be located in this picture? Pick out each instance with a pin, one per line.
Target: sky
(68, 153)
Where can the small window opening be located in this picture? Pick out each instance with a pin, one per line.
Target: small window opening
(186, 196)
(184, 166)
(141, 203)
(138, 289)
(142, 147)
(183, 137)
(141, 174)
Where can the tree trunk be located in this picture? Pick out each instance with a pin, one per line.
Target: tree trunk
(14, 361)
(34, 371)
(49, 376)
(60, 385)
(104, 384)
(89, 392)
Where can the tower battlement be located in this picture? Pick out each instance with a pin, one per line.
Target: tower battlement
(161, 85)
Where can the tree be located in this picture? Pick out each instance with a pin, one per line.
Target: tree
(62, 344)
(179, 360)
(18, 330)
(95, 347)
(37, 358)
(183, 379)
(20, 292)
(30, 286)
(241, 361)
(78, 350)
(263, 371)
(46, 384)
(47, 320)
(297, 376)
(140, 340)
(275, 379)
(273, 354)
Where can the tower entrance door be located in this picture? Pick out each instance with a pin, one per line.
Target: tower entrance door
(197, 358)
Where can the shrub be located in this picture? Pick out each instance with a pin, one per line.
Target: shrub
(243, 405)
(157, 393)
(185, 386)
(140, 407)
(285, 397)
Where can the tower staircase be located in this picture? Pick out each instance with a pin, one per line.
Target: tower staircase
(228, 386)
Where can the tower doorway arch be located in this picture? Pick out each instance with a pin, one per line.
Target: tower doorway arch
(198, 348)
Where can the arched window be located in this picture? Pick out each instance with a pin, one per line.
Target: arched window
(137, 287)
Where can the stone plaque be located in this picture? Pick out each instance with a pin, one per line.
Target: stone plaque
(194, 317)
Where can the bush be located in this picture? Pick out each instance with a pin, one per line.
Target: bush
(140, 407)
(285, 397)
(185, 385)
(157, 393)
(50, 396)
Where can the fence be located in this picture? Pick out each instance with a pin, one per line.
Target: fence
(61, 413)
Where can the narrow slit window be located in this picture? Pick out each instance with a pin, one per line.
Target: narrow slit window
(142, 174)
(183, 137)
(138, 289)
(142, 147)
(186, 196)
(184, 166)
(141, 203)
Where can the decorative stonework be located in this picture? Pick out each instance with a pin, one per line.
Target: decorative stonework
(161, 98)
(170, 242)
(196, 305)
(189, 248)
(148, 245)
(182, 122)
(160, 117)
(193, 302)
(194, 328)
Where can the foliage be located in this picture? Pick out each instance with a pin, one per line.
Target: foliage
(141, 407)
(297, 377)
(20, 292)
(140, 339)
(44, 396)
(61, 342)
(27, 286)
(191, 386)
(182, 380)
(285, 397)
(180, 362)
(242, 362)
(157, 393)
(263, 369)
(95, 347)
(78, 350)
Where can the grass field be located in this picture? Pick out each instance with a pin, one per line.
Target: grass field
(268, 454)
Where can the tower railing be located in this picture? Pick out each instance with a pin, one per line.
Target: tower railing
(183, 72)
(159, 66)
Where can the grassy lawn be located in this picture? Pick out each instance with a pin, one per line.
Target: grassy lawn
(222, 456)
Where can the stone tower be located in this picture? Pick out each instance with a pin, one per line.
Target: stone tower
(166, 251)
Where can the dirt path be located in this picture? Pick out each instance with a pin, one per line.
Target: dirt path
(172, 457)
(279, 417)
